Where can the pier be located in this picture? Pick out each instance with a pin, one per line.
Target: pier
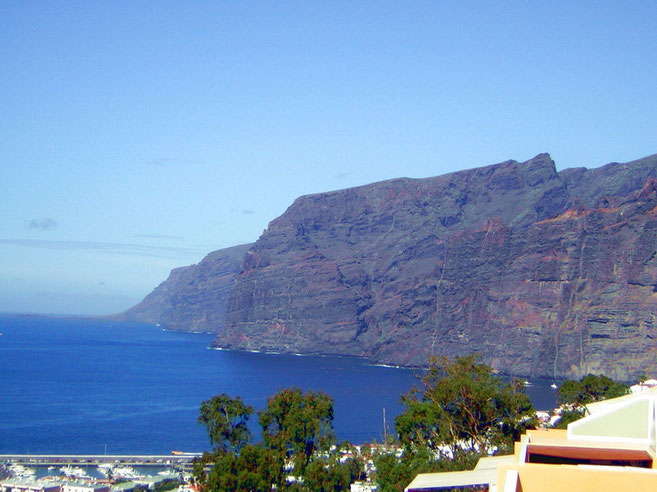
(183, 460)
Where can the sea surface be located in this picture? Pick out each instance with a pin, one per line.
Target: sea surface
(78, 386)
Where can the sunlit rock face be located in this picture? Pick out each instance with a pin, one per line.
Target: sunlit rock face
(543, 273)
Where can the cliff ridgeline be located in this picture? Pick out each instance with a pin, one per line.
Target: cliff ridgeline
(544, 273)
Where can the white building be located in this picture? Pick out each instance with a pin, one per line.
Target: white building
(13, 485)
(81, 487)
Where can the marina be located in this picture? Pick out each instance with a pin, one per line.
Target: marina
(95, 473)
(90, 459)
(85, 466)
(36, 473)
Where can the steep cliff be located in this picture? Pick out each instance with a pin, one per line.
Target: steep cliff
(194, 297)
(543, 272)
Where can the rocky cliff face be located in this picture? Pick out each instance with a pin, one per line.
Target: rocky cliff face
(194, 297)
(543, 273)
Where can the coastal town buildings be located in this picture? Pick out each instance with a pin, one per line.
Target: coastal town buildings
(80, 487)
(89, 485)
(17, 485)
(14, 485)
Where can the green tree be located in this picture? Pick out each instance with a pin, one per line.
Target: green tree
(589, 389)
(167, 485)
(568, 416)
(329, 474)
(576, 394)
(255, 468)
(463, 407)
(298, 439)
(394, 474)
(297, 425)
(225, 419)
(222, 475)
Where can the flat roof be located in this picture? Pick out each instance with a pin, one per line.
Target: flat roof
(485, 473)
(558, 437)
(602, 405)
(430, 481)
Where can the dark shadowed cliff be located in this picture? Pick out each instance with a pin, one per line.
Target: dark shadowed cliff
(542, 272)
(194, 297)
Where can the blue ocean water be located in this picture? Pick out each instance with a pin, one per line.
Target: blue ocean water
(88, 386)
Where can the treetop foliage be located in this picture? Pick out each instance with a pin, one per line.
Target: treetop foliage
(463, 407)
(298, 441)
(589, 389)
(297, 424)
(225, 419)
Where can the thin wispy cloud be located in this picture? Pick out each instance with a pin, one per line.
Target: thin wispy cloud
(162, 161)
(158, 236)
(243, 211)
(112, 248)
(42, 224)
(343, 175)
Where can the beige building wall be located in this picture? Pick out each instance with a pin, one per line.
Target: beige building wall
(584, 478)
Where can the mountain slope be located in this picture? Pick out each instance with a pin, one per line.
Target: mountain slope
(194, 297)
(544, 273)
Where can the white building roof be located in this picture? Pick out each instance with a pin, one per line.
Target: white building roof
(485, 473)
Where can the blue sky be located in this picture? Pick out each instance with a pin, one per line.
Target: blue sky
(137, 136)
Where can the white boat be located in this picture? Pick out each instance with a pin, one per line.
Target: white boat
(22, 472)
(105, 468)
(127, 472)
(553, 386)
(168, 474)
(73, 471)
